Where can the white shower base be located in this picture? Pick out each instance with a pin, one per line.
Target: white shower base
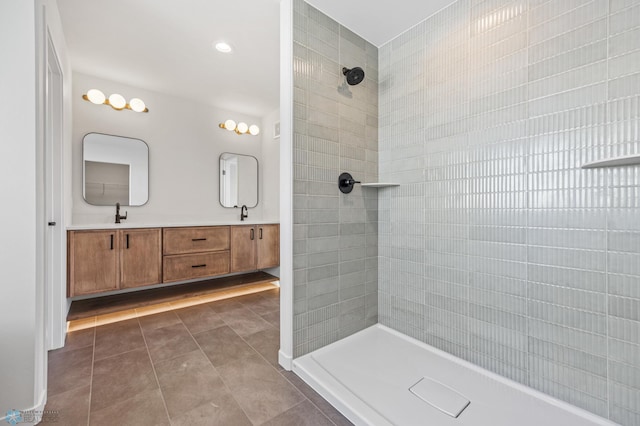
(367, 377)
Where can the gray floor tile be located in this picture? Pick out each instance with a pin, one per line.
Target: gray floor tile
(189, 381)
(260, 390)
(225, 412)
(223, 345)
(244, 321)
(120, 377)
(164, 319)
(200, 318)
(70, 407)
(69, 370)
(267, 344)
(303, 414)
(117, 338)
(143, 409)
(169, 342)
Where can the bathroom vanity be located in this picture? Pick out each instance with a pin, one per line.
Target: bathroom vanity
(104, 260)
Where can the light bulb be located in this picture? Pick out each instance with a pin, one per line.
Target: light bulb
(95, 96)
(254, 130)
(230, 125)
(117, 101)
(137, 105)
(242, 127)
(223, 47)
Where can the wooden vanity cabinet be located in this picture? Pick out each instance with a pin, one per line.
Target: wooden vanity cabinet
(108, 260)
(111, 259)
(254, 247)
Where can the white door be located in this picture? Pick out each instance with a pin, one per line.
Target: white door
(53, 258)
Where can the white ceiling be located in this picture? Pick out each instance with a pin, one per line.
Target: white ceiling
(379, 21)
(167, 45)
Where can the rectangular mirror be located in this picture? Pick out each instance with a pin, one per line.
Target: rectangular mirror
(238, 180)
(115, 170)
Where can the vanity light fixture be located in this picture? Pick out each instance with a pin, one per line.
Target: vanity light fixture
(241, 128)
(115, 101)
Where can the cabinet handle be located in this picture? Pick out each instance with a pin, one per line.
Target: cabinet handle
(260, 233)
(199, 266)
(198, 239)
(251, 234)
(111, 248)
(127, 241)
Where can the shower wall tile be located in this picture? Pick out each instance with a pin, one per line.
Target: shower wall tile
(335, 129)
(497, 247)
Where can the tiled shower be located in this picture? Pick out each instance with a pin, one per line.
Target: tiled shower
(497, 246)
(335, 242)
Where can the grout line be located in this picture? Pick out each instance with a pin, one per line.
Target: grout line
(607, 177)
(93, 357)
(155, 374)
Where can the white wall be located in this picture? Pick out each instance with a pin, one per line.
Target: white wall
(18, 176)
(184, 145)
(270, 165)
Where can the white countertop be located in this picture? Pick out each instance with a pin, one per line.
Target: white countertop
(130, 225)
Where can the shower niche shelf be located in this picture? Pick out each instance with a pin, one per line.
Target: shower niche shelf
(627, 160)
(379, 185)
(346, 183)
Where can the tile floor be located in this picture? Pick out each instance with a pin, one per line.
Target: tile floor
(209, 364)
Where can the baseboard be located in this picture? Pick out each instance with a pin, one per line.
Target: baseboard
(286, 361)
(38, 408)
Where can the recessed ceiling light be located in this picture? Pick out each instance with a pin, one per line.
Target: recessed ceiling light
(223, 47)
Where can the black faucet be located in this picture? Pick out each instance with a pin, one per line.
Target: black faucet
(118, 217)
(244, 213)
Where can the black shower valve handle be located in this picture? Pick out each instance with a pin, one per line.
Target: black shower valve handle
(346, 182)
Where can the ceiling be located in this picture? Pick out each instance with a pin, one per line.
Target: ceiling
(167, 46)
(379, 21)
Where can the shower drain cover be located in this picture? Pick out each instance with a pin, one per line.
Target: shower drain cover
(440, 396)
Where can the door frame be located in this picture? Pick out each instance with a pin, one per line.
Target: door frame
(285, 354)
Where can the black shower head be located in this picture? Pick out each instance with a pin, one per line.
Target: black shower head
(354, 75)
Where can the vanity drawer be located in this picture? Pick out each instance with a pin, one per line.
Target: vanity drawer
(188, 266)
(195, 240)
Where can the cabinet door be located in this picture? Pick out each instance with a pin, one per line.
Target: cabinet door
(268, 246)
(140, 257)
(93, 262)
(243, 248)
